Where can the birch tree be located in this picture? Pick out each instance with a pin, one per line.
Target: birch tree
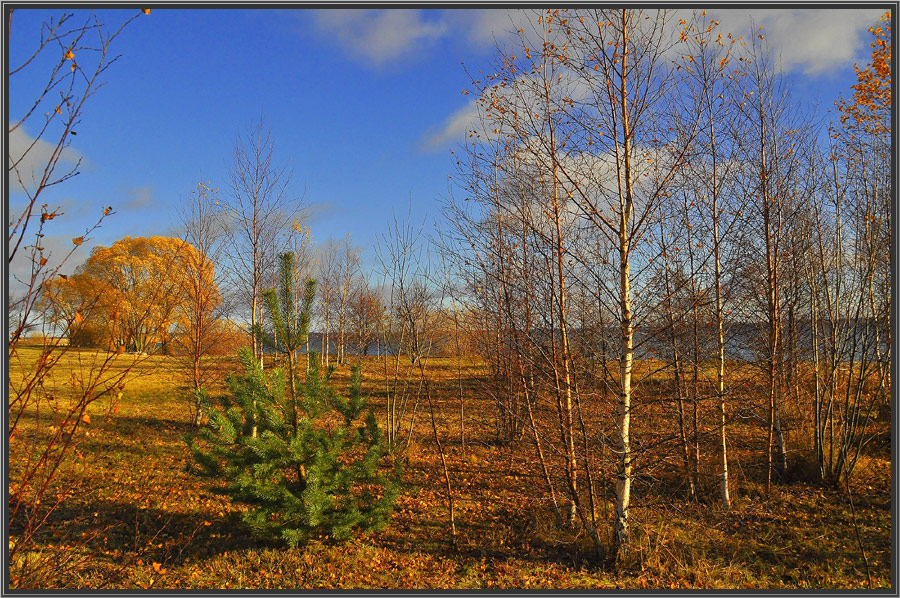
(623, 61)
(199, 325)
(258, 208)
(770, 179)
(851, 299)
(350, 274)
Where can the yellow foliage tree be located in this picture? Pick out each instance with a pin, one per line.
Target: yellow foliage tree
(129, 296)
(871, 103)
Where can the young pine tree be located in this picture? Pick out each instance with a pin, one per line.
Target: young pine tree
(311, 468)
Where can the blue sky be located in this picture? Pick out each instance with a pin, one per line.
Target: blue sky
(365, 105)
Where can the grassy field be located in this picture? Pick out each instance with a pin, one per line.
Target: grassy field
(135, 518)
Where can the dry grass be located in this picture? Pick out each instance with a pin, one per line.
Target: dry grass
(141, 521)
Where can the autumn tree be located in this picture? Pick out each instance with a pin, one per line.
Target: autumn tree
(516, 228)
(80, 51)
(258, 207)
(405, 333)
(706, 211)
(328, 267)
(349, 266)
(199, 324)
(365, 317)
(624, 63)
(132, 292)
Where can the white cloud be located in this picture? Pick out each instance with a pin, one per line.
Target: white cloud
(454, 129)
(59, 252)
(317, 211)
(384, 35)
(484, 26)
(812, 40)
(524, 91)
(31, 156)
(379, 36)
(139, 198)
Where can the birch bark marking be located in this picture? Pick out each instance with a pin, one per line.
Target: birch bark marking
(626, 205)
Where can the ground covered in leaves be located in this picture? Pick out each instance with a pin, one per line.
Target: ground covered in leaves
(136, 518)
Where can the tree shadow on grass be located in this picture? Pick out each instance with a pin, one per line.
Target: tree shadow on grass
(119, 534)
(129, 425)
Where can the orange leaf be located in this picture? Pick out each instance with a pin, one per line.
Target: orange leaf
(146, 11)
(86, 418)
(78, 240)
(78, 317)
(58, 111)
(43, 261)
(69, 55)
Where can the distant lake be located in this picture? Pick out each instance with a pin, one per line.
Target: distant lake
(743, 342)
(373, 348)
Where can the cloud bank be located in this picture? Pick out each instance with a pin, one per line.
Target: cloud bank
(814, 42)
